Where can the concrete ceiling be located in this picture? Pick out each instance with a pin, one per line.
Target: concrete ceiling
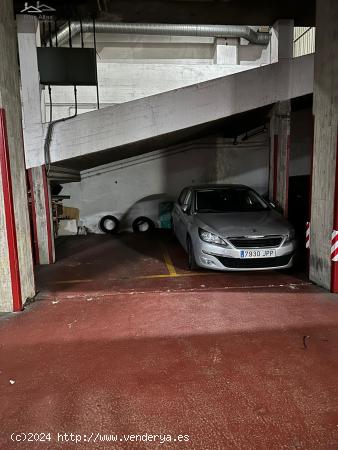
(228, 12)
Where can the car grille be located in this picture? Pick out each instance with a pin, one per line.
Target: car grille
(255, 263)
(261, 242)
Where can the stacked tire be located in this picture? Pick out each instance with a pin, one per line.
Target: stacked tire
(143, 225)
(109, 224)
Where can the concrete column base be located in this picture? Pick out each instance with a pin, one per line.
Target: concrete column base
(44, 249)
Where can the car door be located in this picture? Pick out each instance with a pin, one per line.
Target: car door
(177, 214)
(186, 217)
(182, 215)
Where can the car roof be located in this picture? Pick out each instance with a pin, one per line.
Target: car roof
(216, 186)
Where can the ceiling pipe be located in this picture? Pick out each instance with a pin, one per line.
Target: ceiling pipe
(219, 31)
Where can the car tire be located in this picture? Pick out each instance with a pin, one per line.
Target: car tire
(143, 225)
(109, 224)
(191, 256)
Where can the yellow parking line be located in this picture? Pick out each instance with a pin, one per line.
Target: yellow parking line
(168, 262)
(177, 275)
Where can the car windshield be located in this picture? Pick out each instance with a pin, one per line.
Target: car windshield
(226, 200)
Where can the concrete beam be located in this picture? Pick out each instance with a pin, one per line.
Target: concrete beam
(281, 42)
(177, 110)
(16, 265)
(324, 177)
(63, 175)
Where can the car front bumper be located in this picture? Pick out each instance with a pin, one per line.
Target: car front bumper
(216, 257)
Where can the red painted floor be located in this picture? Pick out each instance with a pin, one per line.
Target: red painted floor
(227, 361)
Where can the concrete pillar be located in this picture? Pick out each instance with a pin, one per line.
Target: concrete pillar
(16, 264)
(324, 211)
(33, 133)
(43, 233)
(280, 155)
(281, 42)
(226, 51)
(281, 47)
(28, 35)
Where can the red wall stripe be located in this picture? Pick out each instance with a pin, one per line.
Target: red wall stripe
(5, 173)
(48, 215)
(35, 232)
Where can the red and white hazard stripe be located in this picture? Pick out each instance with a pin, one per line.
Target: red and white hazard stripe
(334, 246)
(307, 238)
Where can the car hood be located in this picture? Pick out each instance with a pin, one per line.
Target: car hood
(244, 223)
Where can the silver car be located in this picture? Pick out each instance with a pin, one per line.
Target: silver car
(231, 227)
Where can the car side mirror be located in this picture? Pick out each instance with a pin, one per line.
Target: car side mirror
(276, 207)
(185, 209)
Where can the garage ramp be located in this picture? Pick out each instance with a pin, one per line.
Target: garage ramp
(142, 125)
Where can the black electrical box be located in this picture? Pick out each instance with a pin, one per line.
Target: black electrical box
(64, 66)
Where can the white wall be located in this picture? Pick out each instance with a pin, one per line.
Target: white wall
(304, 41)
(122, 82)
(144, 49)
(118, 188)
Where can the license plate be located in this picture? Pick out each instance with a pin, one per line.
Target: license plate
(264, 253)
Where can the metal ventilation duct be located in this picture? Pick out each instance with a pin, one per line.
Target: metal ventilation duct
(220, 31)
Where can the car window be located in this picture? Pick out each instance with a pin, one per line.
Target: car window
(188, 201)
(229, 200)
(182, 196)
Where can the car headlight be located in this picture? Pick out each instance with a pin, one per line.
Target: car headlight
(211, 238)
(290, 236)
